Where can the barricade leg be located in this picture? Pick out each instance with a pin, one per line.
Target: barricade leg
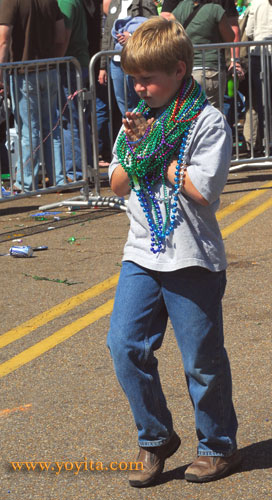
(52, 145)
(70, 119)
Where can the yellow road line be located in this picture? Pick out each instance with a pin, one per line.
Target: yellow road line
(98, 313)
(58, 310)
(55, 339)
(246, 218)
(243, 201)
(62, 308)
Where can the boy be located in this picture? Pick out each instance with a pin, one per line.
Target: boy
(172, 156)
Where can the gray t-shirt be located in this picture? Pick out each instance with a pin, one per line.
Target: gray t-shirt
(196, 239)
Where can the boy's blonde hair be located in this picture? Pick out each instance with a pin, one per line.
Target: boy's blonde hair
(157, 45)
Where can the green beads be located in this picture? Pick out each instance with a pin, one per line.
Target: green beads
(147, 159)
(153, 152)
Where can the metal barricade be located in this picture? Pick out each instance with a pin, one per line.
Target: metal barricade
(48, 134)
(37, 115)
(247, 110)
(244, 152)
(24, 76)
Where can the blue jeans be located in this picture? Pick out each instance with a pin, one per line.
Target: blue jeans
(28, 95)
(191, 297)
(70, 121)
(117, 76)
(103, 121)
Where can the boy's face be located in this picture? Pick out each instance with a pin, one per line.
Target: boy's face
(157, 88)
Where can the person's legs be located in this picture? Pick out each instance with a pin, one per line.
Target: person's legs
(86, 118)
(48, 102)
(251, 117)
(137, 328)
(268, 103)
(193, 300)
(258, 95)
(133, 97)
(214, 85)
(117, 76)
(25, 107)
(71, 129)
(34, 92)
(103, 123)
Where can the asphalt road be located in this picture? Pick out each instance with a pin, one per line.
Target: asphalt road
(60, 401)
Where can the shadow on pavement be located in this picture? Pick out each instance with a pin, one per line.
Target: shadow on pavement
(14, 210)
(255, 456)
(260, 177)
(98, 213)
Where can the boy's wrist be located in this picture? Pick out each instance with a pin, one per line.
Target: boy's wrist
(171, 170)
(171, 173)
(182, 177)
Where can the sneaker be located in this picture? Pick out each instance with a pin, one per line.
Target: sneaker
(205, 469)
(152, 461)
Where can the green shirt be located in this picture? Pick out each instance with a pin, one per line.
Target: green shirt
(75, 20)
(202, 29)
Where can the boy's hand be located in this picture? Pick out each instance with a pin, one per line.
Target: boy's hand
(136, 125)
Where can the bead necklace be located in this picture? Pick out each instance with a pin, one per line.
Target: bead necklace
(147, 159)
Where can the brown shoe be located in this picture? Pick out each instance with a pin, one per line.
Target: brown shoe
(205, 469)
(151, 462)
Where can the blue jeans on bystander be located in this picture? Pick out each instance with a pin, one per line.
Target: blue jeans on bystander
(103, 120)
(117, 76)
(70, 121)
(32, 97)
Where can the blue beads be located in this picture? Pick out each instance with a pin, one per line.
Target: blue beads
(146, 160)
